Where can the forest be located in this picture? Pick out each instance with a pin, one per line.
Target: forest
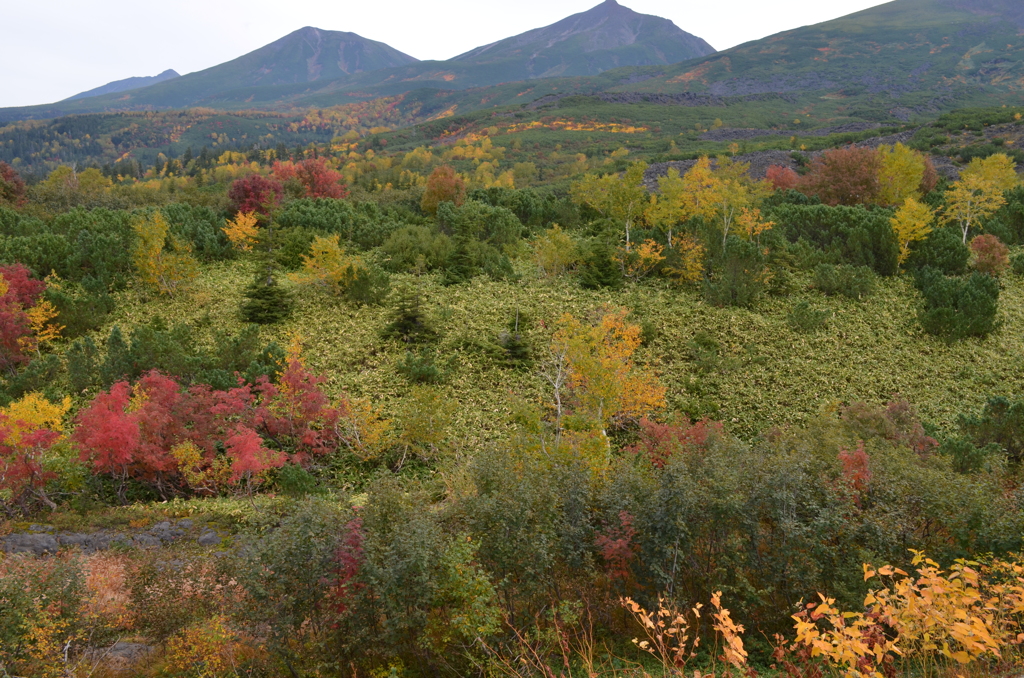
(564, 394)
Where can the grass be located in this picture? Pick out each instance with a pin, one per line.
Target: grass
(762, 374)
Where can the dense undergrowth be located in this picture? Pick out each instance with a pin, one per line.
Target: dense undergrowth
(448, 426)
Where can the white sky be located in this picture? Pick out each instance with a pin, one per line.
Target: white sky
(53, 49)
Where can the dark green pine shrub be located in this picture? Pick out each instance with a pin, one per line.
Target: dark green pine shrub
(855, 282)
(956, 308)
(408, 321)
(942, 250)
(851, 235)
(737, 275)
(1001, 423)
(266, 302)
(419, 368)
(366, 285)
(598, 267)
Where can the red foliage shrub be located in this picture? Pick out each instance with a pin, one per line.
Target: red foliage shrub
(660, 441)
(296, 414)
(443, 185)
(22, 287)
(254, 193)
(989, 255)
(21, 469)
(617, 547)
(12, 188)
(844, 176)
(23, 292)
(130, 431)
(856, 470)
(782, 178)
(317, 179)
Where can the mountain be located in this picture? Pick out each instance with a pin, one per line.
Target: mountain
(126, 84)
(305, 56)
(605, 37)
(343, 67)
(907, 56)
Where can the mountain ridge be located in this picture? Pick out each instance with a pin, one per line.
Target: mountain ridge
(126, 84)
(604, 37)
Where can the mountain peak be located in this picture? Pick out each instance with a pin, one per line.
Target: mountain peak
(608, 35)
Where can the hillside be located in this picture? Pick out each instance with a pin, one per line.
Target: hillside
(127, 84)
(900, 59)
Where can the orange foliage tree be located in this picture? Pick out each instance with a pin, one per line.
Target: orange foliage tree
(443, 185)
(594, 372)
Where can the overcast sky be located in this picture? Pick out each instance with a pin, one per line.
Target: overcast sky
(54, 49)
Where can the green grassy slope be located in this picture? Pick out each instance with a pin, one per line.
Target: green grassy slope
(763, 375)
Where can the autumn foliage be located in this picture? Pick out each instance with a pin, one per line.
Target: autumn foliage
(845, 176)
(145, 430)
(254, 193)
(19, 294)
(443, 185)
(989, 255)
(318, 180)
(12, 188)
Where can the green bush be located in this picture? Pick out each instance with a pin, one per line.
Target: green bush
(364, 223)
(956, 308)
(413, 248)
(855, 282)
(942, 250)
(598, 267)
(856, 235)
(1001, 423)
(737, 275)
(419, 368)
(408, 320)
(201, 227)
(266, 302)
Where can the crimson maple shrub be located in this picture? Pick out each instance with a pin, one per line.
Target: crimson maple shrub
(989, 255)
(317, 179)
(782, 178)
(133, 431)
(254, 193)
(844, 176)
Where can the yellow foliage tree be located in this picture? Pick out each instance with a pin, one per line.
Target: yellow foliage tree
(619, 197)
(682, 198)
(737, 195)
(243, 231)
(555, 252)
(911, 223)
(43, 330)
(33, 413)
(328, 265)
(595, 364)
(163, 262)
(901, 174)
(643, 260)
(691, 260)
(971, 200)
(998, 169)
